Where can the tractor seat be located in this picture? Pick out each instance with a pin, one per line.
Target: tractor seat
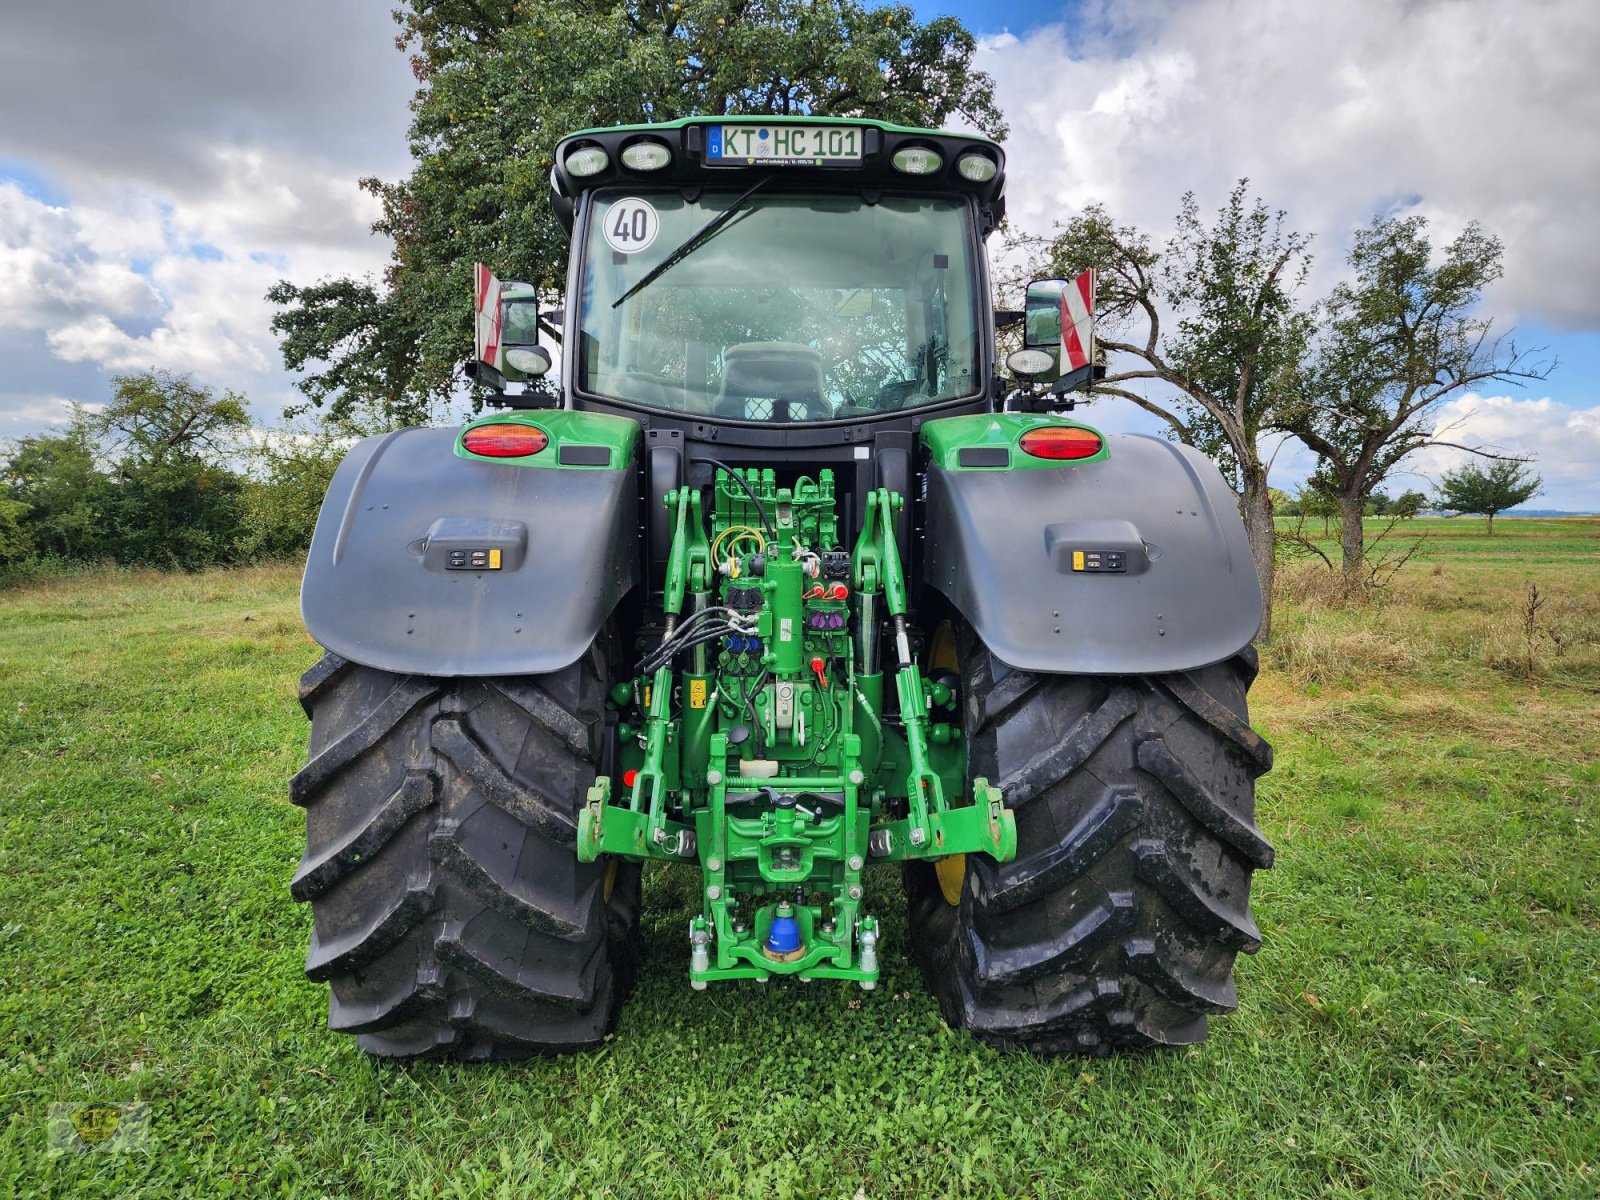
(771, 381)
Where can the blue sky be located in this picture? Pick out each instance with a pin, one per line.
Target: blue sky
(144, 213)
(1019, 18)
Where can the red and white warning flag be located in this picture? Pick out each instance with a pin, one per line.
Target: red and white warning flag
(1077, 323)
(486, 316)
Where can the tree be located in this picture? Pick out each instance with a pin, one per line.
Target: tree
(1409, 505)
(63, 497)
(161, 416)
(16, 543)
(166, 439)
(500, 82)
(1472, 488)
(288, 471)
(1316, 504)
(1236, 333)
(1394, 344)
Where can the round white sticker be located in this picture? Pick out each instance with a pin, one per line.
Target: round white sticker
(631, 225)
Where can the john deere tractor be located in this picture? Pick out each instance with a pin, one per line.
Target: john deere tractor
(778, 579)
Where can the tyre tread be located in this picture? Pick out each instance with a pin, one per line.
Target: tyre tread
(1117, 924)
(441, 824)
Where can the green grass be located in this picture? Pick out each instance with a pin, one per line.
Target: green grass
(1424, 1019)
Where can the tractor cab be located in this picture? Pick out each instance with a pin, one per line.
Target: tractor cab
(793, 273)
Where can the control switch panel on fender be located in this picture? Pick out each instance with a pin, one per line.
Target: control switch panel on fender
(474, 560)
(475, 544)
(1096, 546)
(1099, 560)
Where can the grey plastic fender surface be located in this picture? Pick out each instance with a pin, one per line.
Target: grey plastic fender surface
(380, 588)
(1001, 546)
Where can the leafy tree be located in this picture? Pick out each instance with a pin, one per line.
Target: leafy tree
(1394, 344)
(62, 497)
(501, 82)
(367, 345)
(1472, 488)
(175, 501)
(288, 472)
(161, 416)
(16, 543)
(1409, 505)
(1317, 504)
(1235, 332)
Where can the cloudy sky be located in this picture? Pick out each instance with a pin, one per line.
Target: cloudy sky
(161, 165)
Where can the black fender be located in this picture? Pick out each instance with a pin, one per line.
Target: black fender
(384, 585)
(1000, 545)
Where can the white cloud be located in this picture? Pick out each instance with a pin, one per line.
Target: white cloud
(23, 413)
(158, 203)
(128, 277)
(1458, 109)
(48, 268)
(277, 201)
(1562, 440)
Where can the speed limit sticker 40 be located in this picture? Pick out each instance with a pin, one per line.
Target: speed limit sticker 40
(630, 225)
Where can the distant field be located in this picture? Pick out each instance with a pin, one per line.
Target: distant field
(1520, 541)
(1424, 1019)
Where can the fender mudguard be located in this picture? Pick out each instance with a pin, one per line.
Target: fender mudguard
(1030, 558)
(428, 562)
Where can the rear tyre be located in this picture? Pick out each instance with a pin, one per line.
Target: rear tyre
(451, 915)
(1118, 922)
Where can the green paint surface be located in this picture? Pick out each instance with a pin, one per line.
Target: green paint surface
(947, 437)
(564, 428)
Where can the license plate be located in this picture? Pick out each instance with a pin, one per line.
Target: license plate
(783, 145)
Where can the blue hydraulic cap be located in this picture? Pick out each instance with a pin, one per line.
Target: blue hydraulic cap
(783, 939)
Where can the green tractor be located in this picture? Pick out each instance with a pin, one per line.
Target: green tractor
(777, 579)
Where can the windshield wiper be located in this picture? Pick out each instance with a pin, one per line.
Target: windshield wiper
(693, 242)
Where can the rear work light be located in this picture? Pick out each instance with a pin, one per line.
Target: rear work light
(505, 439)
(916, 160)
(1062, 442)
(979, 168)
(587, 160)
(645, 156)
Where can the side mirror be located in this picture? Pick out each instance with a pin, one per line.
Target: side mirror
(1041, 314)
(1039, 360)
(1058, 325)
(519, 320)
(505, 335)
(521, 356)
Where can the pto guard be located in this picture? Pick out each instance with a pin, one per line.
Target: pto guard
(1134, 565)
(428, 561)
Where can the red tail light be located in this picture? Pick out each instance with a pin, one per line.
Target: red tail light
(1061, 441)
(505, 439)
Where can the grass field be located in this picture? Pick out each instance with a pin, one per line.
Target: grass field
(1424, 1019)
